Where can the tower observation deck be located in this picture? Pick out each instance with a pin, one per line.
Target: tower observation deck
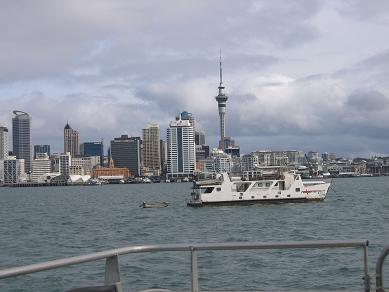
(221, 99)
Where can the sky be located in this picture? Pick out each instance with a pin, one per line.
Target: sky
(300, 75)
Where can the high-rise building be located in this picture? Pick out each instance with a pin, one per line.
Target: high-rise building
(221, 99)
(151, 150)
(41, 165)
(163, 151)
(41, 149)
(3, 143)
(71, 141)
(89, 149)
(199, 138)
(180, 149)
(65, 162)
(186, 116)
(126, 152)
(21, 137)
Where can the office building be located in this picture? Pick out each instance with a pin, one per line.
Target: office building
(202, 152)
(126, 152)
(14, 170)
(21, 138)
(89, 149)
(41, 166)
(87, 164)
(151, 158)
(180, 149)
(65, 161)
(186, 116)
(163, 151)
(41, 149)
(199, 138)
(3, 143)
(71, 141)
(233, 151)
(222, 162)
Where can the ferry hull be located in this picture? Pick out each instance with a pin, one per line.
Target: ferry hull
(254, 202)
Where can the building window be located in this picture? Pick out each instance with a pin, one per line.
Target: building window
(218, 189)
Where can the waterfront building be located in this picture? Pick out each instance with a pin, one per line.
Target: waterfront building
(14, 170)
(126, 152)
(71, 141)
(21, 138)
(181, 154)
(86, 163)
(1, 172)
(40, 166)
(205, 165)
(89, 149)
(222, 161)
(41, 149)
(3, 143)
(250, 161)
(111, 172)
(151, 150)
(199, 138)
(65, 161)
(76, 170)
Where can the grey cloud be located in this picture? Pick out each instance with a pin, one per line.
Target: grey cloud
(368, 100)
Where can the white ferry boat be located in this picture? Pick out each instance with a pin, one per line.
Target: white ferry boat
(289, 187)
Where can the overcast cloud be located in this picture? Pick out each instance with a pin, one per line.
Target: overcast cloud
(305, 75)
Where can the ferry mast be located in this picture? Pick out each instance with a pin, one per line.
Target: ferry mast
(221, 103)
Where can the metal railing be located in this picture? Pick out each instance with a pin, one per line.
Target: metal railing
(112, 269)
(380, 270)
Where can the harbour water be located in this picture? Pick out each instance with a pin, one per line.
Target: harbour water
(40, 224)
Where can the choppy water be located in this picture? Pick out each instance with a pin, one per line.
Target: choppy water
(40, 224)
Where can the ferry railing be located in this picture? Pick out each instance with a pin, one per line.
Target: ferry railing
(380, 270)
(112, 269)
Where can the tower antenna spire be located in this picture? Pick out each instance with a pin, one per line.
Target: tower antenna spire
(221, 71)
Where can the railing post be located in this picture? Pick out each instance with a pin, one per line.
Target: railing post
(380, 270)
(195, 276)
(112, 272)
(366, 269)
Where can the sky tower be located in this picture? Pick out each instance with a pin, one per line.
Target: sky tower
(221, 103)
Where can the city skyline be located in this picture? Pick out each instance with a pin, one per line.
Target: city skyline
(306, 75)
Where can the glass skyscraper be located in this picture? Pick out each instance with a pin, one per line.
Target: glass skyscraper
(41, 149)
(21, 137)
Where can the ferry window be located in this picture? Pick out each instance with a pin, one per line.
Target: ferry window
(259, 185)
(276, 196)
(208, 190)
(276, 185)
(297, 189)
(288, 196)
(268, 184)
(252, 197)
(264, 197)
(218, 189)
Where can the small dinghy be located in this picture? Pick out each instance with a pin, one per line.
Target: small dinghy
(154, 204)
